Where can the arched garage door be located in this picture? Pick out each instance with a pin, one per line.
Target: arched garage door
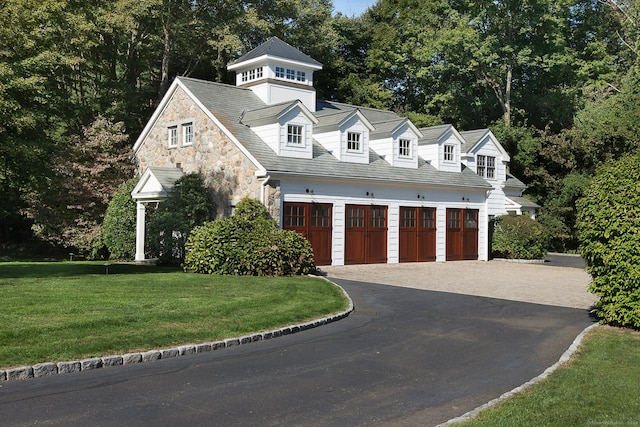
(462, 234)
(366, 234)
(417, 234)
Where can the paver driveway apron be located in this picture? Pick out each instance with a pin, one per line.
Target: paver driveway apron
(533, 283)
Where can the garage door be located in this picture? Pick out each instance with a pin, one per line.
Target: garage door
(313, 221)
(462, 234)
(366, 234)
(417, 234)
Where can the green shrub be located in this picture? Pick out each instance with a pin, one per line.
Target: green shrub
(247, 244)
(519, 237)
(119, 226)
(609, 230)
(188, 205)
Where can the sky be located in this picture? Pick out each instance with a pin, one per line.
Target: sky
(352, 7)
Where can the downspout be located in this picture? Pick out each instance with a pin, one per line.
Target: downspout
(263, 186)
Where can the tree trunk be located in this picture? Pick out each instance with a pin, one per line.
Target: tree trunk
(507, 97)
(166, 53)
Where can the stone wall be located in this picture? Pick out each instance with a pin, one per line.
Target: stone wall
(228, 172)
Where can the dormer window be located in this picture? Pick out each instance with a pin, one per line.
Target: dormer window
(404, 148)
(294, 134)
(280, 72)
(354, 142)
(301, 76)
(449, 153)
(486, 167)
(291, 74)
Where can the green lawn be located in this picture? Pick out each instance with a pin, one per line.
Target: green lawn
(599, 387)
(72, 310)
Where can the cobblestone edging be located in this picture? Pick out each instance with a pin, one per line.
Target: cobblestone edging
(47, 369)
(566, 356)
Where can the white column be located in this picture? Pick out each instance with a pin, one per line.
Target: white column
(140, 230)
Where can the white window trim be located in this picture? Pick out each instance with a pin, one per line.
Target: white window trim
(186, 126)
(300, 136)
(453, 153)
(408, 148)
(172, 133)
(360, 142)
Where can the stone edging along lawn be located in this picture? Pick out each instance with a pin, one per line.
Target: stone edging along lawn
(47, 369)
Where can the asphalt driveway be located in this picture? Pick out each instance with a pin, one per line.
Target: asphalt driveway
(406, 356)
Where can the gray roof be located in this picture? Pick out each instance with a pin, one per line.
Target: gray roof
(277, 48)
(167, 177)
(472, 137)
(227, 103)
(513, 182)
(263, 113)
(525, 203)
(432, 134)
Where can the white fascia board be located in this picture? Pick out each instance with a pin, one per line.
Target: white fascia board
(156, 114)
(489, 135)
(226, 131)
(456, 135)
(270, 58)
(413, 128)
(361, 117)
(299, 104)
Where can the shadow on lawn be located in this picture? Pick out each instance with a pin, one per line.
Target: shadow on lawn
(70, 269)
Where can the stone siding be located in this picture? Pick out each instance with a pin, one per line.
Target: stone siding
(228, 172)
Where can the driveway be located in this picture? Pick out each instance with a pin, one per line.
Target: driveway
(419, 349)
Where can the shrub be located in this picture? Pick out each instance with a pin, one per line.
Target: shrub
(119, 226)
(519, 237)
(609, 231)
(188, 205)
(247, 244)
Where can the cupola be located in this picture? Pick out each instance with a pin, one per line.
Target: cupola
(277, 72)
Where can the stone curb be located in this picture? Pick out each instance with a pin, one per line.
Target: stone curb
(566, 356)
(47, 369)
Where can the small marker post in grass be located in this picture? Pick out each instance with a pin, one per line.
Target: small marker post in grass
(106, 266)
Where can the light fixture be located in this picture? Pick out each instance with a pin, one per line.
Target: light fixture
(309, 190)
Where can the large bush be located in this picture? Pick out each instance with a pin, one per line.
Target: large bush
(247, 243)
(188, 205)
(519, 237)
(609, 231)
(119, 226)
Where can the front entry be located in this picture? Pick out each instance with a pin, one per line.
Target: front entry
(313, 221)
(366, 234)
(417, 234)
(462, 234)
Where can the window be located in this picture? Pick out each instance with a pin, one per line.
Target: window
(173, 136)
(404, 148)
(291, 74)
(245, 76)
(491, 167)
(280, 72)
(293, 215)
(353, 142)
(301, 76)
(187, 134)
(294, 134)
(449, 153)
(486, 166)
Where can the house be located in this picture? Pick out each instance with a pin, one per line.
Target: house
(363, 185)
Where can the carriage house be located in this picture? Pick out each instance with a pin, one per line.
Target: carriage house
(363, 185)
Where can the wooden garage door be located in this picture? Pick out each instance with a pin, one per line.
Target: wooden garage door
(417, 234)
(462, 234)
(313, 221)
(366, 234)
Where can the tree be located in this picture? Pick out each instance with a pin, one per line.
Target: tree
(118, 230)
(609, 231)
(188, 205)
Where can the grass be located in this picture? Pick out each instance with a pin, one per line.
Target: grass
(71, 310)
(599, 387)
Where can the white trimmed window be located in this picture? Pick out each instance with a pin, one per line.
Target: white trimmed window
(187, 134)
(301, 76)
(280, 72)
(291, 74)
(449, 153)
(486, 166)
(173, 137)
(404, 148)
(294, 135)
(353, 142)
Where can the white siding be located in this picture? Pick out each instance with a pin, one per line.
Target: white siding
(305, 150)
(269, 134)
(392, 196)
(430, 154)
(449, 166)
(405, 162)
